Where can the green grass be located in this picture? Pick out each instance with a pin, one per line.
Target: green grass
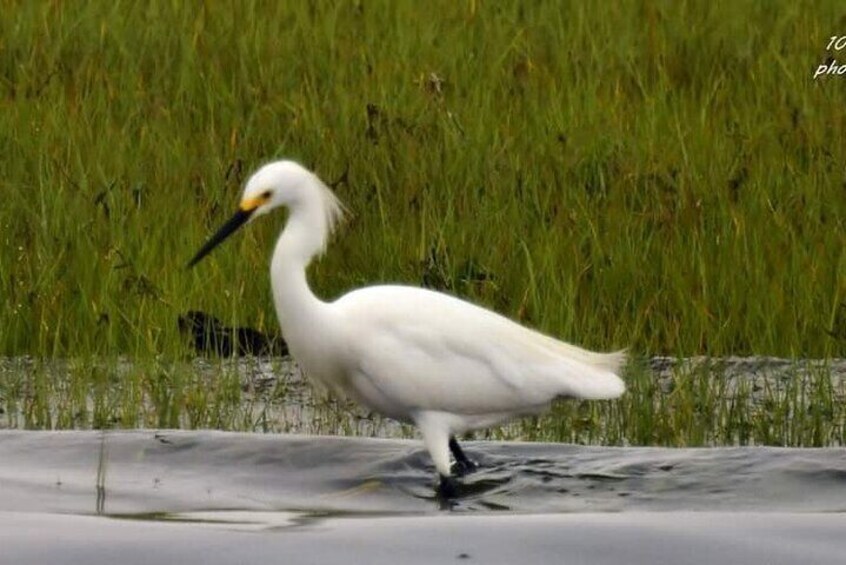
(659, 175)
(664, 176)
(690, 406)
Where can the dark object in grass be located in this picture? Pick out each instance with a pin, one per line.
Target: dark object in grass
(838, 327)
(210, 337)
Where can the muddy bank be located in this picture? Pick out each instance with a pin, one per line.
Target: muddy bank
(271, 394)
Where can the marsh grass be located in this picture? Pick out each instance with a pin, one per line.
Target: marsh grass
(704, 406)
(694, 405)
(663, 176)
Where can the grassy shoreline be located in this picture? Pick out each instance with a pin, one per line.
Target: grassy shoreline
(674, 403)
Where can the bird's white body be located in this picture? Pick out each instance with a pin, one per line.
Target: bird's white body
(412, 354)
(445, 365)
(401, 350)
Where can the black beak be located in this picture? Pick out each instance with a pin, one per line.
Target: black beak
(227, 229)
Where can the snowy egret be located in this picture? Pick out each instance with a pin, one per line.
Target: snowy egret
(415, 355)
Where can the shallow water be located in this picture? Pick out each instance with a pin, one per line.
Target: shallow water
(209, 497)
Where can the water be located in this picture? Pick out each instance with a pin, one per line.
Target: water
(220, 497)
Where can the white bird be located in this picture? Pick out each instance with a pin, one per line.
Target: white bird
(414, 355)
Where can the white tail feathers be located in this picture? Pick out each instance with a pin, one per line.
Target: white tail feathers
(592, 376)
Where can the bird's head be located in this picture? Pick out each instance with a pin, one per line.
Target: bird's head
(282, 183)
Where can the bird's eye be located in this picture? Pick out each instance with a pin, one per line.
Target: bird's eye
(266, 195)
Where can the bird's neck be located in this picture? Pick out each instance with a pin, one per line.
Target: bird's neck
(296, 305)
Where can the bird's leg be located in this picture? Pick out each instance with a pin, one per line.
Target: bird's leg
(437, 439)
(463, 465)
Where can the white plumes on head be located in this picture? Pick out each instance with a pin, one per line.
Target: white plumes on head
(333, 209)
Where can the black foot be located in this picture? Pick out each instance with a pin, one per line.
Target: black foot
(463, 465)
(447, 488)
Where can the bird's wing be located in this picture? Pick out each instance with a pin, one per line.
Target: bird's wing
(429, 350)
